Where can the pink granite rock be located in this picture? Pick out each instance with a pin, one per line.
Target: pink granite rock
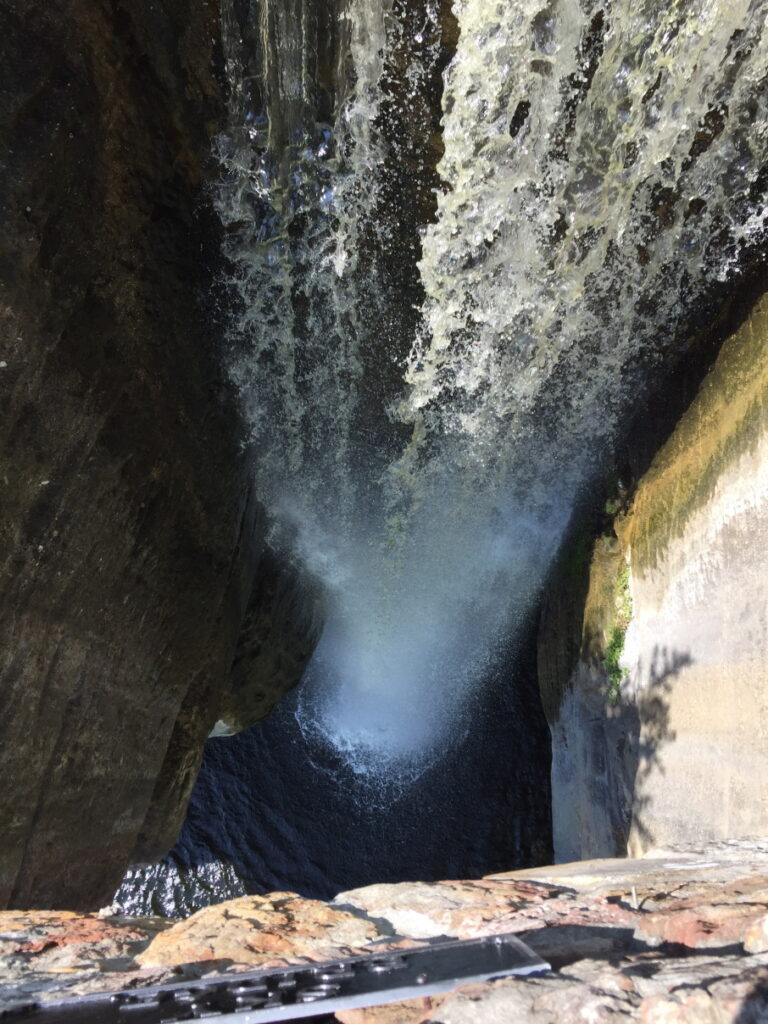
(257, 930)
(620, 935)
(756, 937)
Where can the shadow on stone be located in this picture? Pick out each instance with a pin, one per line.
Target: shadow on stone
(604, 753)
(653, 729)
(754, 1010)
(565, 944)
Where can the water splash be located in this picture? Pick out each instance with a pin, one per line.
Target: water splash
(422, 432)
(409, 636)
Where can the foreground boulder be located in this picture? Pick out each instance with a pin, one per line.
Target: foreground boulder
(678, 936)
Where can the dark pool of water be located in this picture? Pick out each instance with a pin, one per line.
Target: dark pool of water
(272, 811)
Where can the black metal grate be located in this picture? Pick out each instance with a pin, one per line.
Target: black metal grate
(295, 993)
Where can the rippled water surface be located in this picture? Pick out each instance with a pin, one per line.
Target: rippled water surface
(272, 810)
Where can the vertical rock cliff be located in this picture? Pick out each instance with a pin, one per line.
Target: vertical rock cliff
(129, 536)
(654, 641)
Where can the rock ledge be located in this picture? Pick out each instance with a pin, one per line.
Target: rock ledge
(680, 935)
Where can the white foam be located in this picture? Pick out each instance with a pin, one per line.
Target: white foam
(565, 251)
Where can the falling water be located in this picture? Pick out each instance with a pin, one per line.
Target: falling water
(430, 377)
(463, 242)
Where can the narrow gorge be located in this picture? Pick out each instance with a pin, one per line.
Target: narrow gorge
(383, 443)
(467, 246)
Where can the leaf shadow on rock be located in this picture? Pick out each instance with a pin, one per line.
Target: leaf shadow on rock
(652, 731)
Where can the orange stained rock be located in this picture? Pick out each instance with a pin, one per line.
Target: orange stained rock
(39, 930)
(254, 929)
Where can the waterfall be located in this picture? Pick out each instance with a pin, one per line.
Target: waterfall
(461, 241)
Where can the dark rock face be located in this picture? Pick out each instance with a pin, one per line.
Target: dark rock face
(277, 637)
(129, 535)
